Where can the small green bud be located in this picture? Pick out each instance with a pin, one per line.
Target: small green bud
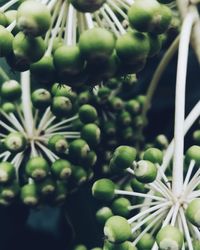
(153, 155)
(37, 168)
(87, 113)
(193, 212)
(103, 189)
(117, 229)
(120, 206)
(145, 171)
(169, 237)
(61, 169)
(103, 214)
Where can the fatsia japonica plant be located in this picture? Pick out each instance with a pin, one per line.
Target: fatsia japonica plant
(161, 204)
(75, 107)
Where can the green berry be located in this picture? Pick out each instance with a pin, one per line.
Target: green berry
(169, 237)
(153, 155)
(33, 18)
(120, 206)
(41, 98)
(87, 113)
(78, 149)
(117, 229)
(61, 169)
(133, 107)
(103, 189)
(80, 247)
(46, 187)
(137, 186)
(193, 212)
(103, 214)
(6, 42)
(96, 44)
(10, 191)
(132, 46)
(28, 49)
(146, 242)
(15, 142)
(87, 5)
(58, 144)
(68, 60)
(7, 172)
(29, 195)
(149, 16)
(123, 157)
(44, 70)
(8, 107)
(91, 134)
(11, 90)
(37, 168)
(127, 245)
(196, 136)
(145, 171)
(193, 153)
(61, 106)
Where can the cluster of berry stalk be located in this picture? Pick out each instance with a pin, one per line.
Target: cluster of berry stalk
(85, 58)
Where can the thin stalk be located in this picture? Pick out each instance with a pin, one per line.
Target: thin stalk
(177, 176)
(130, 193)
(186, 230)
(26, 102)
(189, 121)
(8, 5)
(188, 175)
(149, 210)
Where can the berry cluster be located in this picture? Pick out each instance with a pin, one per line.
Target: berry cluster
(57, 41)
(47, 142)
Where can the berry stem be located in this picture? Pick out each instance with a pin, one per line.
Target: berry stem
(62, 123)
(175, 213)
(130, 193)
(8, 5)
(54, 16)
(51, 4)
(188, 175)
(7, 127)
(114, 19)
(109, 22)
(89, 21)
(11, 26)
(118, 9)
(149, 217)
(149, 210)
(189, 121)
(185, 228)
(158, 215)
(52, 157)
(26, 102)
(56, 29)
(177, 179)
(68, 38)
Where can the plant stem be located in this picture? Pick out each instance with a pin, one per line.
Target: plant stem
(130, 193)
(177, 176)
(186, 230)
(26, 102)
(189, 121)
